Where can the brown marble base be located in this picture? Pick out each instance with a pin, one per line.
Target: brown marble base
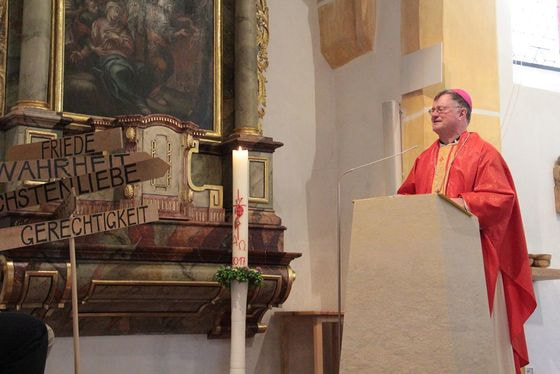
(154, 278)
(124, 290)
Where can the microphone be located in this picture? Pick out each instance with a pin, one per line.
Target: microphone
(375, 162)
(338, 228)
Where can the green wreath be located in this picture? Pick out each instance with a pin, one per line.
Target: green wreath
(226, 274)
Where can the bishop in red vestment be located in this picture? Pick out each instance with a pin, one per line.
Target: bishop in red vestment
(472, 172)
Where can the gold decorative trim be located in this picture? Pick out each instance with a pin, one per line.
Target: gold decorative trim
(217, 131)
(262, 59)
(145, 283)
(247, 131)
(57, 59)
(134, 282)
(266, 180)
(29, 133)
(216, 192)
(52, 274)
(57, 70)
(136, 314)
(261, 328)
(167, 183)
(129, 191)
(31, 104)
(131, 134)
(52, 52)
(8, 269)
(291, 280)
(3, 52)
(67, 294)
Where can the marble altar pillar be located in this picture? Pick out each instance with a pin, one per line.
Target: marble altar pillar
(35, 54)
(246, 85)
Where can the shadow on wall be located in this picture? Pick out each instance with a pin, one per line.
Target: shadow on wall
(296, 353)
(269, 359)
(321, 186)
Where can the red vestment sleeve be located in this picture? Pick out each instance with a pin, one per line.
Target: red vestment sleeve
(409, 187)
(493, 200)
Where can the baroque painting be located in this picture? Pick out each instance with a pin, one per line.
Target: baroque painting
(141, 57)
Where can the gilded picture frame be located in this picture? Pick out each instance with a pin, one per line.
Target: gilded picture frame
(3, 52)
(260, 180)
(139, 57)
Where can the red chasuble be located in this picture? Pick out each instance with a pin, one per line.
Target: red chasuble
(479, 175)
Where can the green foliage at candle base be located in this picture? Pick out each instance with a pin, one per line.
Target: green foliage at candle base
(226, 274)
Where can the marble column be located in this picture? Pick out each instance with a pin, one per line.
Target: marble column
(246, 85)
(35, 54)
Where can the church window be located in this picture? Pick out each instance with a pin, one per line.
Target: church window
(536, 43)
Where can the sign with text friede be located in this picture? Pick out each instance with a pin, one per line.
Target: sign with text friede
(106, 140)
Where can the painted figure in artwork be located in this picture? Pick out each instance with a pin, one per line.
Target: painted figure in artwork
(139, 56)
(159, 28)
(111, 47)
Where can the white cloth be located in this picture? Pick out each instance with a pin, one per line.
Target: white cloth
(501, 331)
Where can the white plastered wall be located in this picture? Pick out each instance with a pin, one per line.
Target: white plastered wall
(531, 145)
(361, 87)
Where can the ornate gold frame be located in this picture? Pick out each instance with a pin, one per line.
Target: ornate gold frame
(8, 270)
(3, 51)
(266, 180)
(216, 192)
(54, 277)
(262, 59)
(57, 69)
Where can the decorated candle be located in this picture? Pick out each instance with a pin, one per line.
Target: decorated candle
(240, 212)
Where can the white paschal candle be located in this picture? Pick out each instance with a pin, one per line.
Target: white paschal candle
(239, 258)
(240, 238)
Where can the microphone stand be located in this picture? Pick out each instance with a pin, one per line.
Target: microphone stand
(339, 236)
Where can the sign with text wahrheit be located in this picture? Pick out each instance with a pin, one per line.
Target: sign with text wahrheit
(72, 227)
(106, 140)
(100, 180)
(54, 168)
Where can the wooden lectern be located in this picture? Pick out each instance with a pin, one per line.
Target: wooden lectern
(416, 298)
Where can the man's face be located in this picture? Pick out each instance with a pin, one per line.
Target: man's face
(92, 6)
(114, 13)
(446, 116)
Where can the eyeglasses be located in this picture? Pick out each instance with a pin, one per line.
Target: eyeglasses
(441, 109)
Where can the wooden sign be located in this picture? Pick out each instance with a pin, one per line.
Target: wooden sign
(12, 171)
(107, 140)
(67, 207)
(100, 180)
(50, 231)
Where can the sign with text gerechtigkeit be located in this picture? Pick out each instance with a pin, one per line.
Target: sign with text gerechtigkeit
(72, 227)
